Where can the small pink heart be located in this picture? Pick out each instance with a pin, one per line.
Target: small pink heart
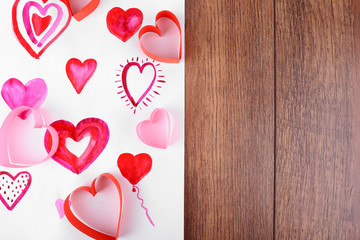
(33, 94)
(156, 132)
(60, 207)
(79, 73)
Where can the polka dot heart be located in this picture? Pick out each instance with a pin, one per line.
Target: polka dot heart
(12, 189)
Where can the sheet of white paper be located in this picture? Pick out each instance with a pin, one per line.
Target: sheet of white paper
(35, 216)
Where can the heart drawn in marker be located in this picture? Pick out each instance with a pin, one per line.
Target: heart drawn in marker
(125, 80)
(37, 24)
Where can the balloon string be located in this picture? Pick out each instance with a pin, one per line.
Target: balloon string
(142, 205)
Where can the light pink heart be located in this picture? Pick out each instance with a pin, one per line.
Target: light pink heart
(156, 132)
(32, 94)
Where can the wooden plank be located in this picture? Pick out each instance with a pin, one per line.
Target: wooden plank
(229, 119)
(318, 119)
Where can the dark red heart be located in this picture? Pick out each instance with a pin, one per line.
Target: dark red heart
(124, 24)
(40, 23)
(98, 131)
(134, 168)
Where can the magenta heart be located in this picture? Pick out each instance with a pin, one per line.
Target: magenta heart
(33, 94)
(125, 80)
(156, 132)
(124, 24)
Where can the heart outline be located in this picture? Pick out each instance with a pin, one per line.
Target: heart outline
(156, 29)
(81, 226)
(124, 81)
(22, 40)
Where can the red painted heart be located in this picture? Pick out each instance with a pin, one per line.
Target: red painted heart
(124, 24)
(80, 73)
(99, 133)
(40, 23)
(134, 168)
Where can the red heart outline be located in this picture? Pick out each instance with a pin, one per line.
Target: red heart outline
(85, 11)
(156, 29)
(99, 137)
(81, 226)
(22, 40)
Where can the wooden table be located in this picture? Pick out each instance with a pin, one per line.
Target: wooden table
(272, 119)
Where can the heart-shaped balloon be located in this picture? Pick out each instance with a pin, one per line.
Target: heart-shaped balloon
(32, 95)
(134, 168)
(99, 133)
(49, 19)
(156, 132)
(124, 24)
(85, 228)
(80, 73)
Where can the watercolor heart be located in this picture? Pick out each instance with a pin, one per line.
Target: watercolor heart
(85, 228)
(156, 132)
(99, 133)
(80, 11)
(134, 168)
(48, 19)
(13, 189)
(125, 80)
(124, 24)
(33, 94)
(80, 73)
(40, 23)
(155, 29)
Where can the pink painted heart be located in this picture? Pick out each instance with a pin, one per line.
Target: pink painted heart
(124, 24)
(13, 189)
(33, 94)
(125, 81)
(156, 132)
(99, 133)
(80, 73)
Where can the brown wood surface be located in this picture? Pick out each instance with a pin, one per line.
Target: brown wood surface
(272, 119)
(229, 119)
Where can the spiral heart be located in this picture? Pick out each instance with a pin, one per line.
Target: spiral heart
(49, 19)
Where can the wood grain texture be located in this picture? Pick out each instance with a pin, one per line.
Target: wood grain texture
(318, 118)
(229, 119)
